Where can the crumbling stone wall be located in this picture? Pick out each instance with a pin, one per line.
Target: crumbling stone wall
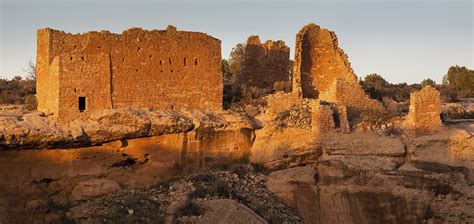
(343, 121)
(424, 114)
(159, 69)
(322, 118)
(264, 64)
(322, 70)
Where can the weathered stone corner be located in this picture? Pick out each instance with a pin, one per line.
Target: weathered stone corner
(424, 116)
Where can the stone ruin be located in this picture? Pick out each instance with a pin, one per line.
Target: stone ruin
(424, 113)
(162, 69)
(322, 71)
(169, 69)
(264, 64)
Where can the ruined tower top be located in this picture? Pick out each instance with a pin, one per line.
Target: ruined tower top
(264, 64)
(424, 114)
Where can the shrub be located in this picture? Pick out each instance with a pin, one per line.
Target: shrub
(30, 102)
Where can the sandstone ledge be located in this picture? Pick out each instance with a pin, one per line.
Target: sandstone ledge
(36, 131)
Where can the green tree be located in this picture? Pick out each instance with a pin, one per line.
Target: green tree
(236, 57)
(461, 79)
(428, 81)
(375, 85)
(227, 75)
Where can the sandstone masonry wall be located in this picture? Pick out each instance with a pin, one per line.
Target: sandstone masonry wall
(322, 118)
(424, 114)
(159, 69)
(322, 70)
(264, 64)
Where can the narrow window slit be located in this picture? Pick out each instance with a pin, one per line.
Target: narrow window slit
(82, 104)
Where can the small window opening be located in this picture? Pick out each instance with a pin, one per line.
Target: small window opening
(138, 48)
(185, 61)
(136, 70)
(75, 46)
(329, 61)
(169, 59)
(70, 58)
(171, 70)
(161, 71)
(150, 56)
(82, 58)
(99, 47)
(161, 62)
(64, 42)
(82, 104)
(195, 61)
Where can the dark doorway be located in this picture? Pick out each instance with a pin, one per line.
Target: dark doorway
(82, 103)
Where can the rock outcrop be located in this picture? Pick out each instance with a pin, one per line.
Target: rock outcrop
(361, 178)
(35, 130)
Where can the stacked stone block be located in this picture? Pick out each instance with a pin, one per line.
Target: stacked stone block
(424, 114)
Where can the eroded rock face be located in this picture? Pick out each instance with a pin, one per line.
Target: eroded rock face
(53, 175)
(364, 178)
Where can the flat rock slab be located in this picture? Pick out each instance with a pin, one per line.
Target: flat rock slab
(227, 211)
(95, 188)
(363, 144)
(444, 152)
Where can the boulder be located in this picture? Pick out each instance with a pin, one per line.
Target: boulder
(285, 182)
(95, 188)
(278, 147)
(225, 211)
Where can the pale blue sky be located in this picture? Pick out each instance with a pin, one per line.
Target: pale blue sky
(404, 41)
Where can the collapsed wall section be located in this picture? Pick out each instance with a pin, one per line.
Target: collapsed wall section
(322, 70)
(161, 69)
(264, 64)
(424, 113)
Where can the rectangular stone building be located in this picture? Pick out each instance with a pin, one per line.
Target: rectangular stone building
(162, 69)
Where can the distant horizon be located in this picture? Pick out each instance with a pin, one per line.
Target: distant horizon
(401, 41)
